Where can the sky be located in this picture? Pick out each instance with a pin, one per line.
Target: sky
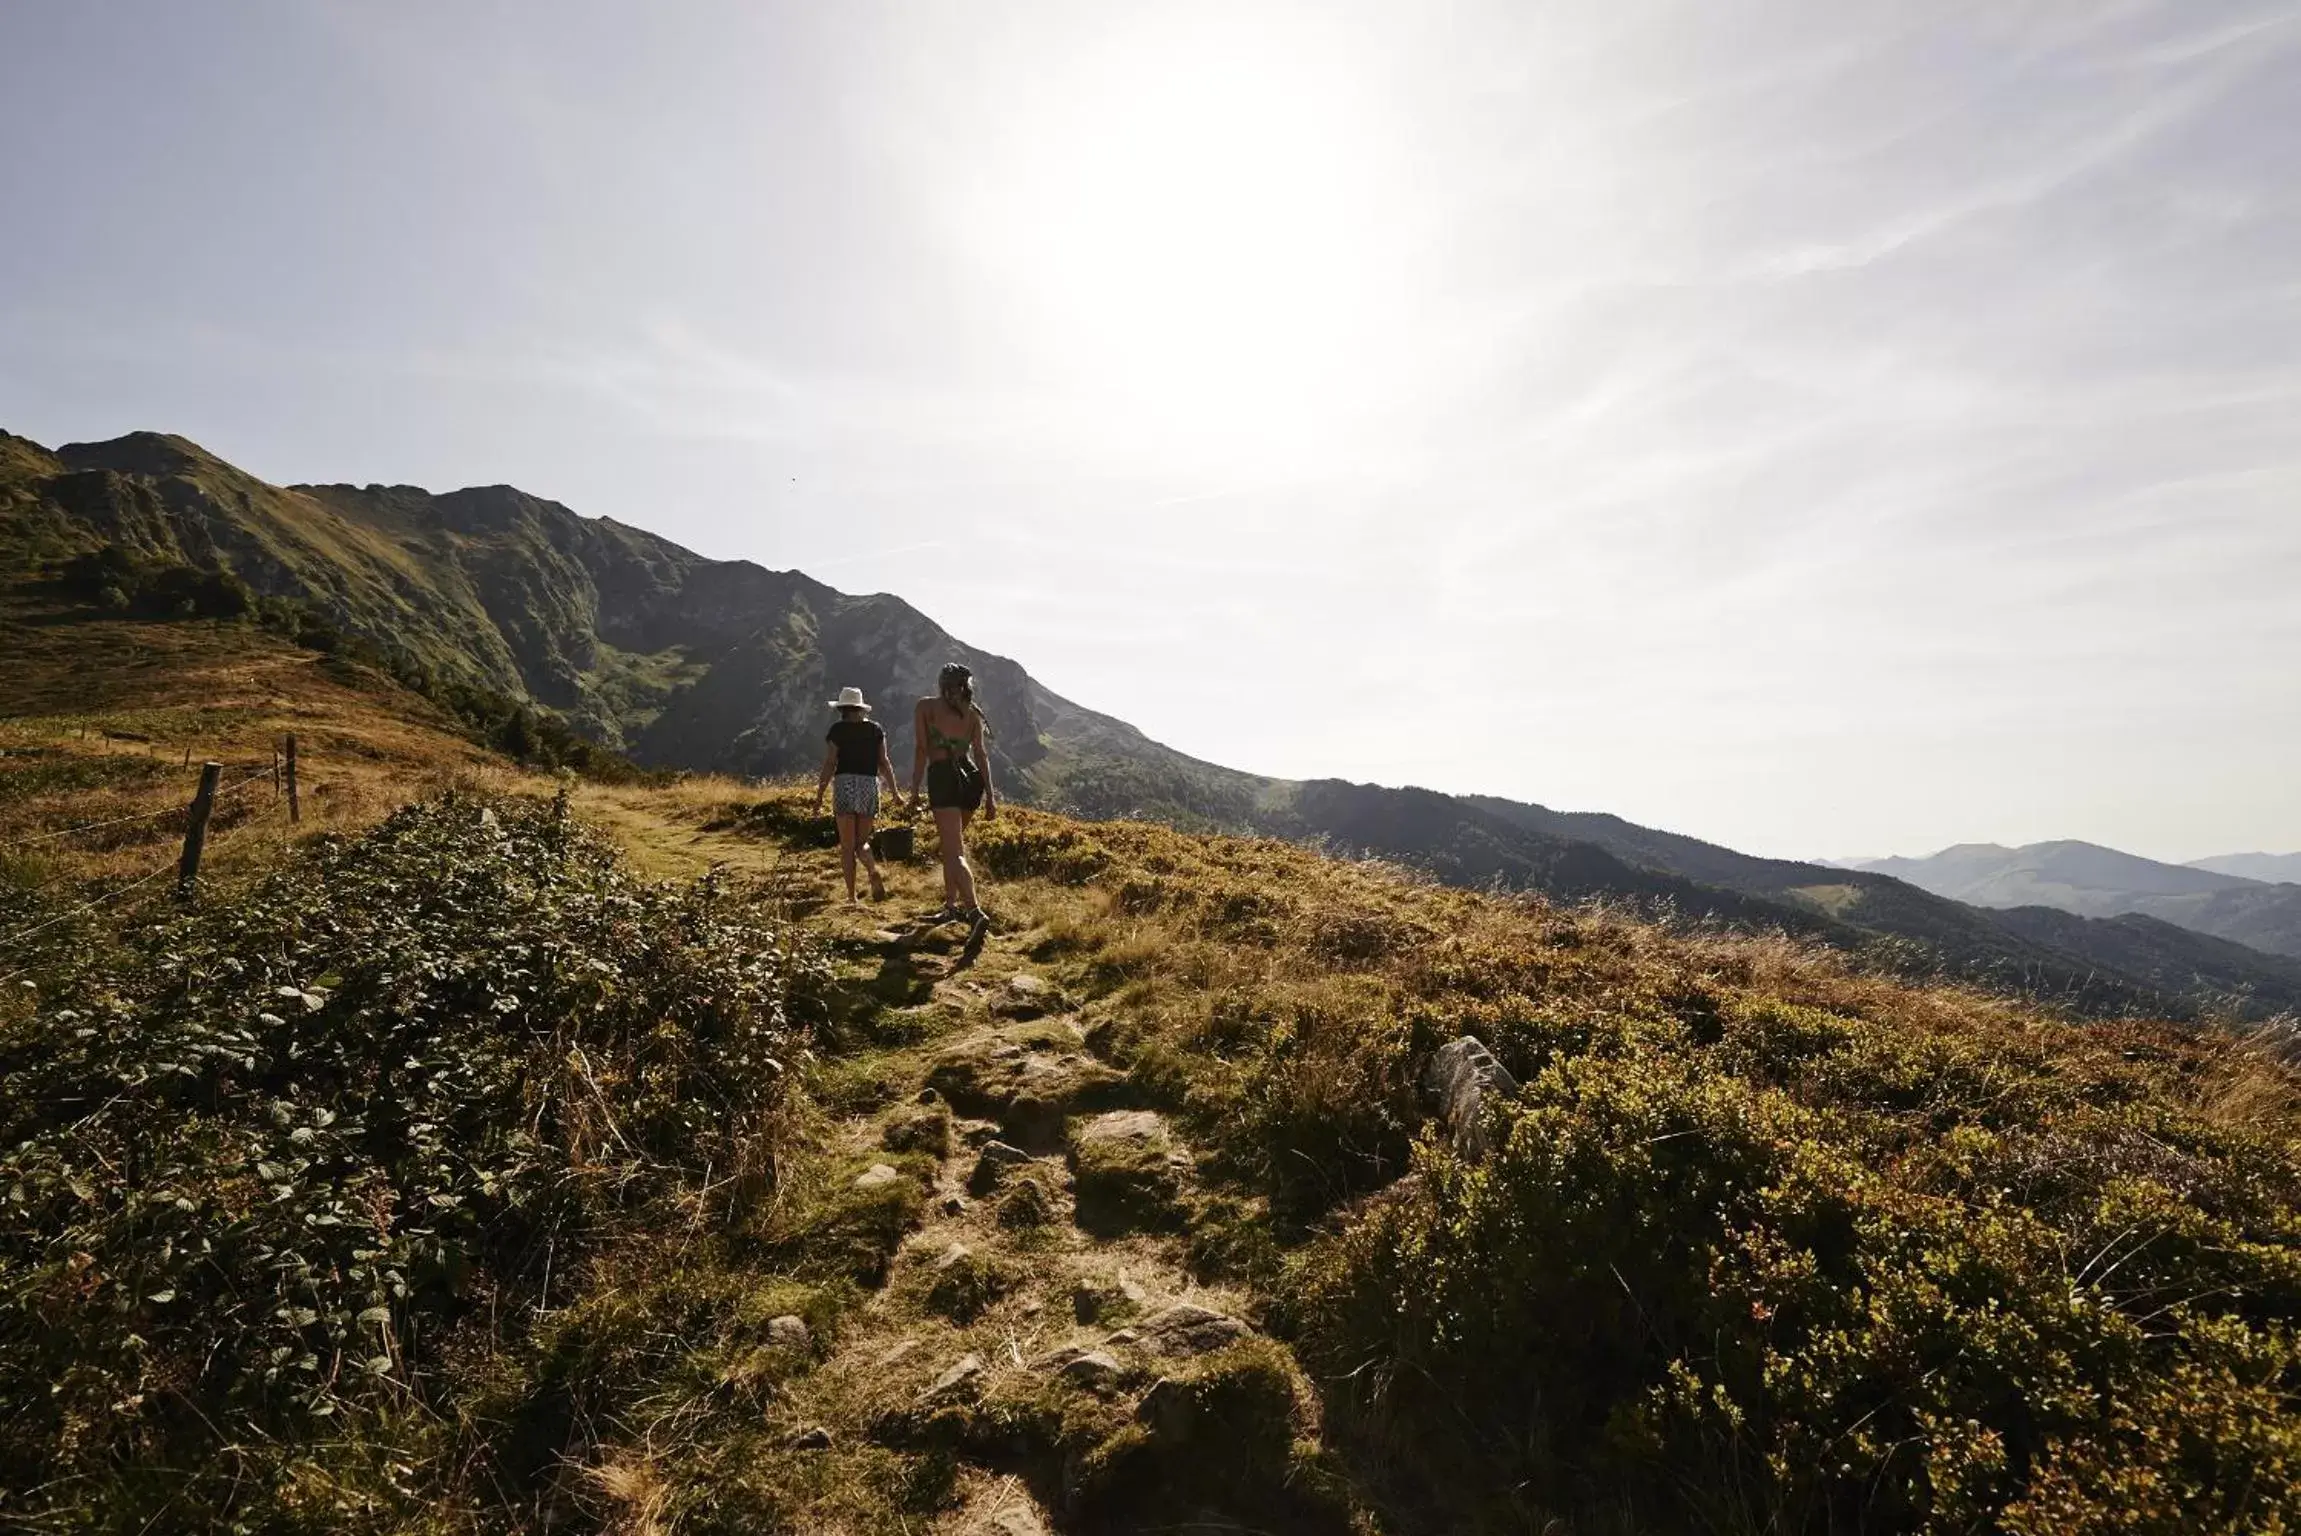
(1827, 429)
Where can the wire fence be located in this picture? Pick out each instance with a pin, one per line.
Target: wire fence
(258, 776)
(144, 882)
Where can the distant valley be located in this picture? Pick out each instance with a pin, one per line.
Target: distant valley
(683, 661)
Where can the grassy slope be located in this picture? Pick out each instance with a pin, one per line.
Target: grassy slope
(1769, 1243)
(723, 666)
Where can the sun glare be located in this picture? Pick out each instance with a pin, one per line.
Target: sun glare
(1189, 213)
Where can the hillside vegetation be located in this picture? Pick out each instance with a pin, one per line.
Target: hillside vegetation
(566, 639)
(478, 1166)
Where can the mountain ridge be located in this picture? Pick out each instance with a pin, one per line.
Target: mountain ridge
(2089, 880)
(2269, 868)
(684, 661)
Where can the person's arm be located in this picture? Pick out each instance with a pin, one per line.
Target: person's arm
(887, 772)
(830, 766)
(982, 753)
(918, 745)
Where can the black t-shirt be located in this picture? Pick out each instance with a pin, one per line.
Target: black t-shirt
(859, 742)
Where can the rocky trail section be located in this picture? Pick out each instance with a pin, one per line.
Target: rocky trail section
(1034, 1336)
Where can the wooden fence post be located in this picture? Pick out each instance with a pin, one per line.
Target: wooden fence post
(295, 806)
(196, 830)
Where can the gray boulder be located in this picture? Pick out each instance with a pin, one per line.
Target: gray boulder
(1464, 1078)
(1188, 1329)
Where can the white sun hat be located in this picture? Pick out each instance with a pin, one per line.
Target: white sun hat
(849, 698)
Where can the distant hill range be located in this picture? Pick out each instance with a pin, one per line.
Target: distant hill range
(684, 661)
(2271, 868)
(2092, 881)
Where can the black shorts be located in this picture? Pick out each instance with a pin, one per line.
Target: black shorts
(949, 789)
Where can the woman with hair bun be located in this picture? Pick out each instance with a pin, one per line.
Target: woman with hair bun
(956, 765)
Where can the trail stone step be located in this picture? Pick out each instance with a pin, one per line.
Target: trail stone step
(1107, 1301)
(994, 1163)
(963, 1378)
(1095, 1368)
(1027, 997)
(1189, 1329)
(1129, 1169)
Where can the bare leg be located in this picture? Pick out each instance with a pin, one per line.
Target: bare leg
(870, 858)
(958, 879)
(847, 852)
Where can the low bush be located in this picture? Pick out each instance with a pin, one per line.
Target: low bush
(260, 1165)
(1678, 1289)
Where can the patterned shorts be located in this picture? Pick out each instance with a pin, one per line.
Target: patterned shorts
(854, 794)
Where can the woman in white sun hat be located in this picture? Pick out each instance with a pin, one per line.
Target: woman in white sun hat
(855, 761)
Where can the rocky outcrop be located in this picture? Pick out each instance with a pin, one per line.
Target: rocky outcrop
(1464, 1078)
(1025, 1081)
(1188, 1329)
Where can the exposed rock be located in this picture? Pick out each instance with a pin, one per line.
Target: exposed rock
(815, 1439)
(1030, 1085)
(937, 938)
(1015, 1522)
(876, 1175)
(1129, 1171)
(1026, 997)
(789, 1332)
(920, 1130)
(1108, 1301)
(1166, 1410)
(1189, 1329)
(1136, 1125)
(995, 1162)
(1124, 1338)
(1464, 1078)
(954, 1205)
(963, 1378)
(1027, 1202)
(1091, 1369)
(966, 1283)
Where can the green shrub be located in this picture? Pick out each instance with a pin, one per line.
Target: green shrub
(1679, 1290)
(258, 1164)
